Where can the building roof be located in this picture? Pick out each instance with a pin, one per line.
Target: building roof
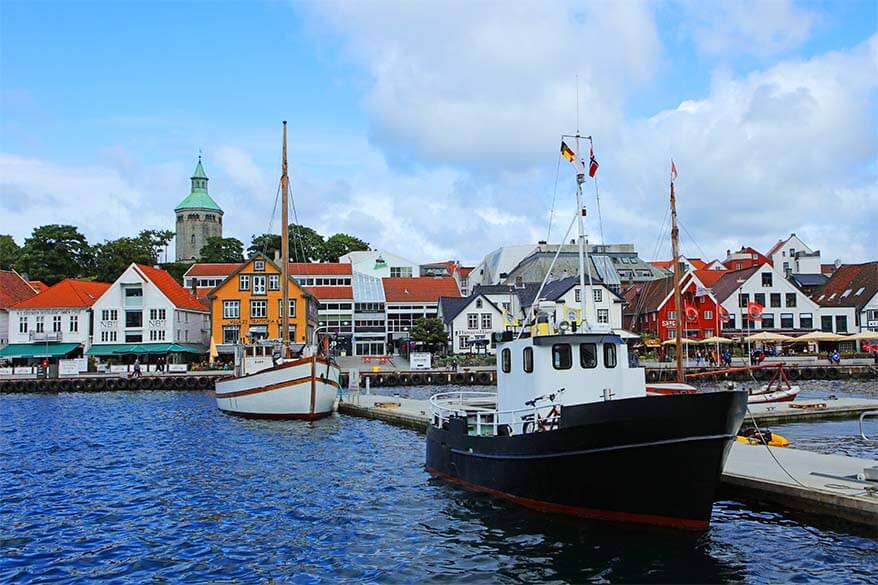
(492, 289)
(331, 292)
(852, 285)
(69, 293)
(776, 247)
(708, 277)
(211, 294)
(697, 263)
(212, 268)
(731, 281)
(182, 298)
(198, 197)
(13, 288)
(651, 295)
(454, 306)
(320, 268)
(424, 289)
(38, 285)
(809, 279)
(367, 289)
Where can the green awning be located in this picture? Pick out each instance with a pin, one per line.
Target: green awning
(141, 348)
(37, 350)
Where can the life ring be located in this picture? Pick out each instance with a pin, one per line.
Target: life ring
(204, 383)
(378, 380)
(78, 386)
(145, 384)
(805, 374)
(100, 384)
(484, 378)
(428, 379)
(793, 374)
(458, 378)
(191, 383)
(470, 378)
(392, 380)
(832, 373)
(652, 376)
(404, 379)
(416, 379)
(122, 384)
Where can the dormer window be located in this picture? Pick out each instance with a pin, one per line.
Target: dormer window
(259, 265)
(478, 303)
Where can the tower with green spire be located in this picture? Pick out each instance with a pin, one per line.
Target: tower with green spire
(198, 218)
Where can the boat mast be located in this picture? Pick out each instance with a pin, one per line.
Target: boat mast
(580, 179)
(677, 300)
(285, 252)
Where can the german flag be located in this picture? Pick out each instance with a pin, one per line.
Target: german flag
(567, 152)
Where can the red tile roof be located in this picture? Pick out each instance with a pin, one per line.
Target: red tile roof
(38, 285)
(776, 247)
(13, 289)
(69, 293)
(208, 269)
(709, 277)
(331, 292)
(465, 270)
(182, 298)
(424, 289)
(842, 287)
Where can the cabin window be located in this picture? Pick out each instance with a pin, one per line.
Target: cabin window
(527, 359)
(561, 356)
(588, 355)
(506, 360)
(609, 355)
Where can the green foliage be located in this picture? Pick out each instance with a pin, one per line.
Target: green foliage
(430, 331)
(157, 240)
(340, 244)
(222, 250)
(9, 251)
(266, 244)
(55, 252)
(306, 245)
(114, 256)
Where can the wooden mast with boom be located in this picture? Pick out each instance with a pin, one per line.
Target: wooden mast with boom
(678, 344)
(285, 253)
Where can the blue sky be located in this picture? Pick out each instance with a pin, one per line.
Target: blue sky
(431, 128)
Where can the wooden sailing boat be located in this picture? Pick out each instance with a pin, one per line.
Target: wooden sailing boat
(304, 386)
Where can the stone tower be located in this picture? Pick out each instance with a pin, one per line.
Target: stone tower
(198, 218)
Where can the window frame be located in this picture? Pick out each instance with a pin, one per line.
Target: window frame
(582, 363)
(527, 360)
(608, 354)
(506, 360)
(559, 365)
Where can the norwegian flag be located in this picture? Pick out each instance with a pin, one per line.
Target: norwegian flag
(592, 163)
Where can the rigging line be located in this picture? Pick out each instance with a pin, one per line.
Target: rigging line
(271, 220)
(658, 245)
(296, 231)
(694, 241)
(536, 300)
(597, 195)
(767, 448)
(554, 195)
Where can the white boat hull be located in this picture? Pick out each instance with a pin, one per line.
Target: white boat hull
(305, 388)
(783, 395)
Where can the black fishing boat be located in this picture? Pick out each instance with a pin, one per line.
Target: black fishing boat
(572, 430)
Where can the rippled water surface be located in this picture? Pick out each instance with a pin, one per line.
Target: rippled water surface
(161, 487)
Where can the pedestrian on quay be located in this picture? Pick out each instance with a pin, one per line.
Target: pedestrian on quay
(727, 358)
(137, 373)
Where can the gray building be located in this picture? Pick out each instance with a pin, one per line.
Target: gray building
(198, 218)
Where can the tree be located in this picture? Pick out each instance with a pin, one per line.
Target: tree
(176, 269)
(306, 245)
(340, 244)
(55, 252)
(157, 240)
(222, 250)
(114, 256)
(430, 331)
(9, 252)
(266, 244)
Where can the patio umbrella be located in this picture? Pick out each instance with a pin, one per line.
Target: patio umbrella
(716, 339)
(684, 341)
(863, 336)
(768, 336)
(820, 336)
(213, 352)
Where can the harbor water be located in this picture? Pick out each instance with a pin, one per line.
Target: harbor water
(161, 487)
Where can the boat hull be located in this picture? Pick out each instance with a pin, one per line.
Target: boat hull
(634, 460)
(306, 389)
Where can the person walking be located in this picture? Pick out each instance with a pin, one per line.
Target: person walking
(137, 373)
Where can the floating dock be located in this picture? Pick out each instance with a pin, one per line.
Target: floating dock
(823, 485)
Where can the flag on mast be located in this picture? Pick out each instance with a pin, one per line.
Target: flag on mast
(567, 152)
(673, 171)
(592, 163)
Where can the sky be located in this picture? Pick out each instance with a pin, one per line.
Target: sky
(432, 129)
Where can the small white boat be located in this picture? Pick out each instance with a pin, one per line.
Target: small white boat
(775, 395)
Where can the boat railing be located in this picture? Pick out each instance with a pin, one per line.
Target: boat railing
(484, 419)
(862, 418)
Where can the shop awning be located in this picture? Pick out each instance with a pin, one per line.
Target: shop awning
(37, 350)
(141, 348)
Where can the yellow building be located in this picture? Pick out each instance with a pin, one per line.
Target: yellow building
(246, 306)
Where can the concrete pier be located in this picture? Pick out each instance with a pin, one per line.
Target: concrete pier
(823, 485)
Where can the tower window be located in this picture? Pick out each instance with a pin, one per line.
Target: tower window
(193, 238)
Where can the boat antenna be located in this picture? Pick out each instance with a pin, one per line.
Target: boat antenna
(285, 252)
(581, 240)
(675, 250)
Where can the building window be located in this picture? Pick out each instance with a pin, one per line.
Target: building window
(280, 307)
(759, 298)
(74, 323)
(244, 282)
(231, 309)
(133, 292)
(527, 359)
(41, 326)
(506, 360)
(841, 324)
(603, 315)
(767, 278)
(258, 285)
(463, 342)
(478, 303)
(231, 333)
(672, 333)
(609, 355)
(157, 314)
(109, 315)
(258, 308)
(400, 272)
(672, 314)
(259, 265)
(273, 282)
(598, 295)
(774, 299)
(561, 356)
(472, 320)
(786, 321)
(588, 355)
(192, 239)
(486, 321)
(806, 321)
(730, 324)
(22, 324)
(577, 296)
(133, 337)
(133, 318)
(826, 323)
(743, 299)
(768, 320)
(786, 267)
(791, 299)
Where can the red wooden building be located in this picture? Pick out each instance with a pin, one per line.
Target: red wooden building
(652, 309)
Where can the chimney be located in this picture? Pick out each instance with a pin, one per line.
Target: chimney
(194, 287)
(276, 256)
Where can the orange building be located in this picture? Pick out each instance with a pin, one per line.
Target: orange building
(246, 306)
